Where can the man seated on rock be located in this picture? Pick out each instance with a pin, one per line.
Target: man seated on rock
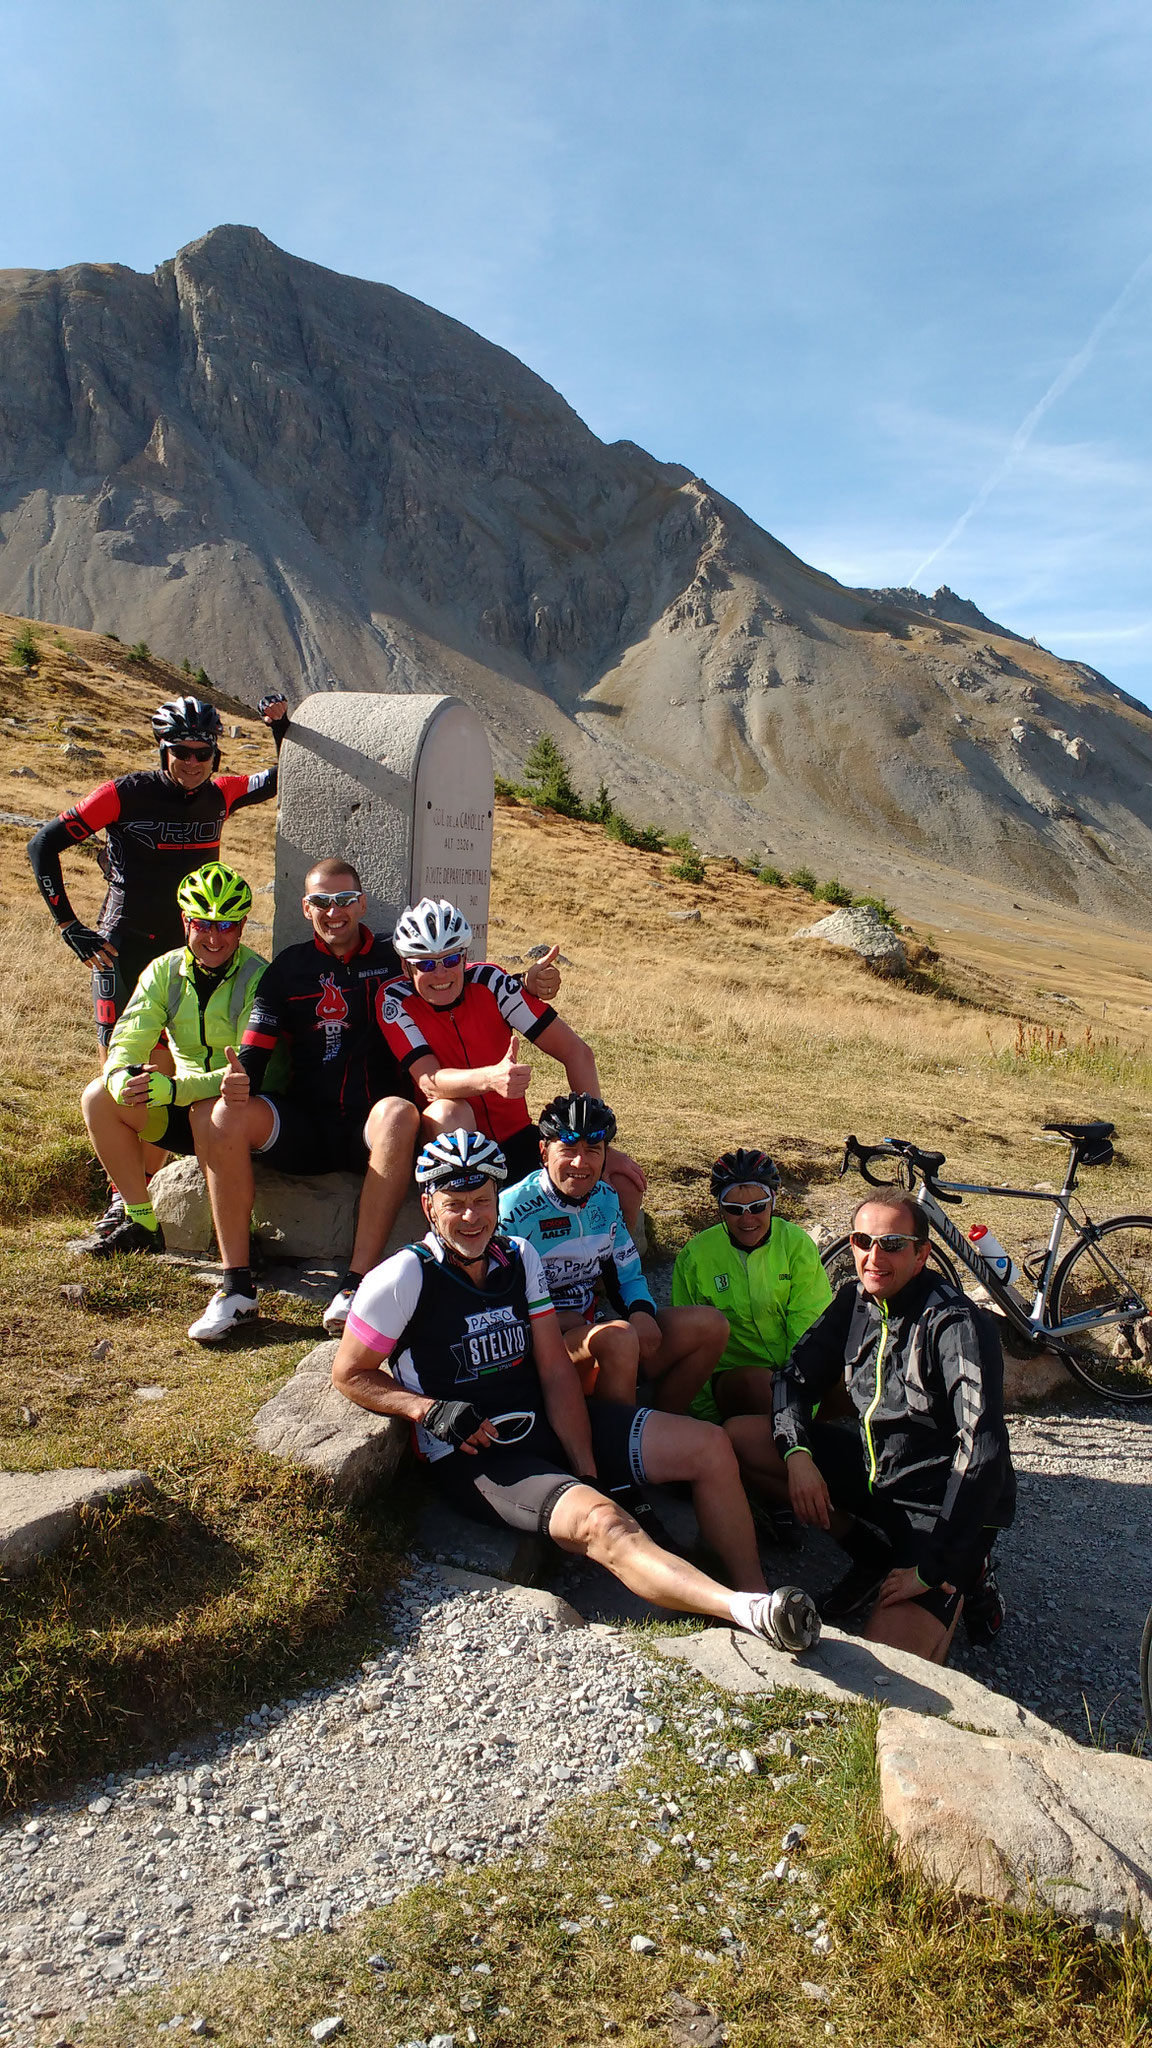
(453, 1026)
(917, 1493)
(572, 1219)
(763, 1273)
(348, 1107)
(457, 1336)
(200, 994)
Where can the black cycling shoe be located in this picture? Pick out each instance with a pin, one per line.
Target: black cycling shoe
(113, 1215)
(857, 1589)
(127, 1237)
(984, 1610)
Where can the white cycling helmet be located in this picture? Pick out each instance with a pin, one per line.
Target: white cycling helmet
(426, 928)
(460, 1159)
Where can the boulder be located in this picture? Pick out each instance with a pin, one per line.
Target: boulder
(497, 1553)
(39, 1511)
(862, 932)
(180, 1200)
(310, 1423)
(1023, 1823)
(843, 1667)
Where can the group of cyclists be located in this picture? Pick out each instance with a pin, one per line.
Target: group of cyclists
(545, 1388)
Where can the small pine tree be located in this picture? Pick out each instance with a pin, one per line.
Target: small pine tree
(690, 866)
(884, 911)
(25, 648)
(550, 779)
(202, 679)
(600, 809)
(186, 665)
(772, 878)
(140, 651)
(803, 878)
(833, 892)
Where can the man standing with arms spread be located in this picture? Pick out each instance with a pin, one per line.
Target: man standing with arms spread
(160, 825)
(918, 1494)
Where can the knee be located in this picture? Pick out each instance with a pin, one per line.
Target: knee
(392, 1123)
(443, 1115)
(713, 1451)
(93, 1098)
(603, 1527)
(614, 1344)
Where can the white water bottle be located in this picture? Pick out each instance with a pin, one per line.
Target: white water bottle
(989, 1247)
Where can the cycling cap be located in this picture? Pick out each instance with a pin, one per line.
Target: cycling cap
(739, 1168)
(577, 1116)
(427, 928)
(186, 718)
(460, 1159)
(215, 892)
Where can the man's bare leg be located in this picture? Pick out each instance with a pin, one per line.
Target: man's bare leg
(612, 1347)
(589, 1525)
(235, 1131)
(691, 1341)
(390, 1134)
(114, 1129)
(746, 1390)
(905, 1626)
(679, 1447)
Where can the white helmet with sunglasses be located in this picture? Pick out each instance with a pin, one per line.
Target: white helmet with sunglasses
(428, 929)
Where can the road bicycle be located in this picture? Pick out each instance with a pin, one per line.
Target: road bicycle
(1091, 1299)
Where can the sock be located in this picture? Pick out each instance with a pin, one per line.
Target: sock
(238, 1280)
(142, 1213)
(740, 1607)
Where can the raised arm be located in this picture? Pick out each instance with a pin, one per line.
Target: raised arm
(575, 1056)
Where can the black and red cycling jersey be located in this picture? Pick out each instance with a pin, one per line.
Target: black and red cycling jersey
(156, 833)
(324, 1009)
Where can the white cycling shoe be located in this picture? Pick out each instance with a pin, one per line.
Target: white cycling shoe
(225, 1312)
(787, 1619)
(336, 1314)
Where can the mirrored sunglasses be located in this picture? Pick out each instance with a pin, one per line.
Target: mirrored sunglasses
(215, 924)
(430, 965)
(338, 900)
(580, 1138)
(888, 1240)
(513, 1427)
(192, 753)
(747, 1208)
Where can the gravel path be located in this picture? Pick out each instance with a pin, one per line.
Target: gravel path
(495, 1712)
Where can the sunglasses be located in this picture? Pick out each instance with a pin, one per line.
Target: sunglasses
(579, 1138)
(746, 1208)
(215, 924)
(515, 1426)
(430, 965)
(192, 753)
(338, 900)
(888, 1241)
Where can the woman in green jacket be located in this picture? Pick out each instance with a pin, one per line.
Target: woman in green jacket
(763, 1273)
(200, 995)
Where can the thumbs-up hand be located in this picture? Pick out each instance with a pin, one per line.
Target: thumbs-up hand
(235, 1085)
(543, 977)
(511, 1077)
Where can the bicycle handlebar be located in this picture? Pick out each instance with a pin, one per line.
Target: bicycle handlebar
(926, 1164)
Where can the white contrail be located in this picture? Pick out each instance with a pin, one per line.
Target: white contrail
(1028, 426)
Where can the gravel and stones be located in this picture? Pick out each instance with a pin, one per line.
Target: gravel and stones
(452, 1746)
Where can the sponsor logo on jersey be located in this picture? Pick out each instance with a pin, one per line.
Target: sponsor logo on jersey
(156, 832)
(331, 1015)
(720, 1282)
(555, 1226)
(393, 1010)
(494, 1339)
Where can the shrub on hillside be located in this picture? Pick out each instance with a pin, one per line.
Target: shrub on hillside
(646, 838)
(803, 878)
(140, 651)
(884, 911)
(833, 892)
(690, 866)
(25, 648)
(549, 779)
(771, 877)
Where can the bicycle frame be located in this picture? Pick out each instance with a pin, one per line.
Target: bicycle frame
(1032, 1322)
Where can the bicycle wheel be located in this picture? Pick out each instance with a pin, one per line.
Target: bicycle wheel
(1109, 1277)
(839, 1264)
(1145, 1678)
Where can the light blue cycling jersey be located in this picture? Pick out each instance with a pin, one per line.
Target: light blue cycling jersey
(580, 1244)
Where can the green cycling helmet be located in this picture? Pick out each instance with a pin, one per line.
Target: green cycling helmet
(215, 892)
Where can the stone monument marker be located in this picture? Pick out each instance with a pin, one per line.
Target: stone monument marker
(400, 786)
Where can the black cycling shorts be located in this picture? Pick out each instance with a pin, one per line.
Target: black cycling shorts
(304, 1143)
(112, 986)
(518, 1485)
(522, 1154)
(177, 1133)
(840, 1457)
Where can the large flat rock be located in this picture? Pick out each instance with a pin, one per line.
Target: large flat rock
(310, 1423)
(502, 1553)
(294, 1215)
(39, 1511)
(843, 1667)
(1024, 1823)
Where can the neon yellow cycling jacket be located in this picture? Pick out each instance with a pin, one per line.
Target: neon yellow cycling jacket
(165, 999)
(770, 1296)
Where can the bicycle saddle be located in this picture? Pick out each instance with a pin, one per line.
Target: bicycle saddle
(1083, 1134)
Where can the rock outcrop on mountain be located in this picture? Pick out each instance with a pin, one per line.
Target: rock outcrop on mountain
(295, 477)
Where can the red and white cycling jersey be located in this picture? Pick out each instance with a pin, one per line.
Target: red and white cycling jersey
(474, 1031)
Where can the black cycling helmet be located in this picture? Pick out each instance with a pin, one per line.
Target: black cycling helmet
(184, 721)
(570, 1117)
(744, 1168)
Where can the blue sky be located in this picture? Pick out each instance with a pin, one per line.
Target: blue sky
(832, 254)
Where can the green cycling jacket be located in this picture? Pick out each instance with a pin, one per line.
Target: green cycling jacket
(770, 1296)
(165, 999)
